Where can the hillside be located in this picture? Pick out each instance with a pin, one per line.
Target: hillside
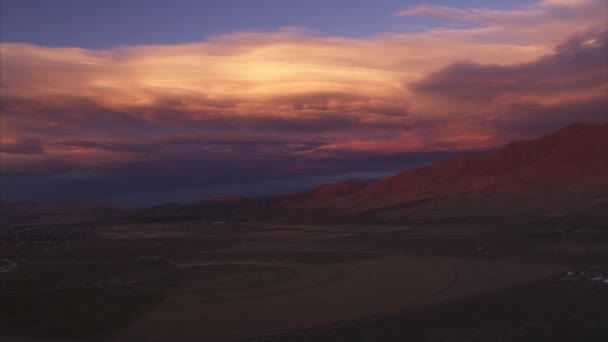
(572, 158)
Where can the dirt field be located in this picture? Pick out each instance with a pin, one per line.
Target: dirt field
(192, 282)
(266, 297)
(261, 298)
(546, 311)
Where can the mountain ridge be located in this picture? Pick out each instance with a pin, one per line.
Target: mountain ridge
(571, 158)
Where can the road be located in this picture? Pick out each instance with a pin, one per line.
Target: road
(8, 267)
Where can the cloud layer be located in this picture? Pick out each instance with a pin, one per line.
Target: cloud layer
(292, 102)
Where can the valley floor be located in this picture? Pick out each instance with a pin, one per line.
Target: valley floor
(195, 282)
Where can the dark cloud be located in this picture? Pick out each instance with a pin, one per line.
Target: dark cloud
(22, 146)
(68, 145)
(531, 118)
(184, 142)
(66, 116)
(577, 65)
(317, 113)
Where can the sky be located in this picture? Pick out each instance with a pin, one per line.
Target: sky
(140, 102)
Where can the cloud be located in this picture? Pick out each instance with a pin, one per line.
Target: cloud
(21, 146)
(577, 67)
(543, 13)
(471, 15)
(292, 102)
(573, 77)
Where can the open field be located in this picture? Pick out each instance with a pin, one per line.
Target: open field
(7, 266)
(194, 281)
(264, 297)
(545, 311)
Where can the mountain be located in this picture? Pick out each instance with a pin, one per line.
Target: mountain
(571, 159)
(337, 190)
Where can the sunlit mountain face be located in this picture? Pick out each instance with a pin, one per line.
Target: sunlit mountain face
(205, 101)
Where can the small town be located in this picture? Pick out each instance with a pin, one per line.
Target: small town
(592, 277)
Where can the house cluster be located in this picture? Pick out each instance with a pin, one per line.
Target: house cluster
(189, 225)
(593, 277)
(44, 235)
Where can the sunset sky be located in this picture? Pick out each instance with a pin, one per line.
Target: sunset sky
(140, 102)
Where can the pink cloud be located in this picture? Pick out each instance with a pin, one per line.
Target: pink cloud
(293, 93)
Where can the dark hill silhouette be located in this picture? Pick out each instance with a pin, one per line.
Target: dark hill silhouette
(337, 190)
(572, 159)
(320, 195)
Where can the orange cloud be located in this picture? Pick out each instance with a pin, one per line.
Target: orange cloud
(314, 96)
